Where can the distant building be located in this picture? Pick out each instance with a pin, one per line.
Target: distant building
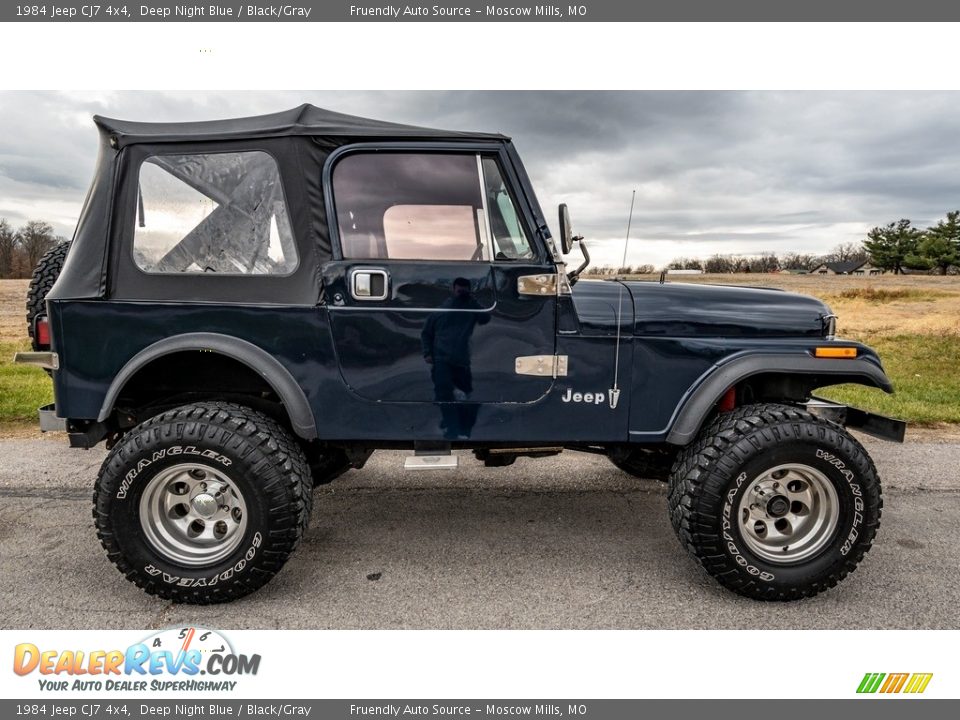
(847, 267)
(684, 272)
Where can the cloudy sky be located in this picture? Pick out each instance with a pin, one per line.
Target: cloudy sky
(715, 172)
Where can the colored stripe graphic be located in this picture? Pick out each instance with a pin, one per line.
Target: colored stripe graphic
(918, 683)
(894, 683)
(870, 682)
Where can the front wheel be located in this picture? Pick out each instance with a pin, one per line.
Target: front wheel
(204, 503)
(774, 502)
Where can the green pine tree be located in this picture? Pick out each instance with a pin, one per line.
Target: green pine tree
(889, 246)
(940, 246)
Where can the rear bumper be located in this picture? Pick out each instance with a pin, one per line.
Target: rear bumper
(866, 422)
(49, 422)
(46, 360)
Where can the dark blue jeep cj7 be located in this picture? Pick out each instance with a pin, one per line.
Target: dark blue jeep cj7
(251, 307)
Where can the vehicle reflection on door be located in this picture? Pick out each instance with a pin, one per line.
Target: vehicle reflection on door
(446, 348)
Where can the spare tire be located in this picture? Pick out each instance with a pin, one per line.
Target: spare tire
(45, 274)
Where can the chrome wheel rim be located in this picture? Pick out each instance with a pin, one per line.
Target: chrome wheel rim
(788, 513)
(193, 514)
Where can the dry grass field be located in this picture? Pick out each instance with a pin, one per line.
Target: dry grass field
(913, 321)
(884, 305)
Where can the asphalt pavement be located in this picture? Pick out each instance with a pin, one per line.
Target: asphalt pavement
(560, 543)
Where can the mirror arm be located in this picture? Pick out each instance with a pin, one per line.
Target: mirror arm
(573, 275)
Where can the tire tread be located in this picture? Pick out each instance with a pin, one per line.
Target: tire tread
(44, 275)
(702, 471)
(253, 436)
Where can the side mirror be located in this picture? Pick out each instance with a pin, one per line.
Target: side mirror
(566, 232)
(567, 239)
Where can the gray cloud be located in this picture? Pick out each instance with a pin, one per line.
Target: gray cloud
(714, 171)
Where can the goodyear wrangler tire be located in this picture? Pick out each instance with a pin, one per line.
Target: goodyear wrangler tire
(204, 503)
(45, 274)
(774, 502)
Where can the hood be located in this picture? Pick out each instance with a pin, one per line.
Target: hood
(701, 310)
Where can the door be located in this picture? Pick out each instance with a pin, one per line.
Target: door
(426, 303)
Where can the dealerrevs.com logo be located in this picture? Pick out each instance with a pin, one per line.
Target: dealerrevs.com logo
(893, 683)
(172, 660)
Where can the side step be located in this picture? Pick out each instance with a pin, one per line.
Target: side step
(431, 462)
(431, 456)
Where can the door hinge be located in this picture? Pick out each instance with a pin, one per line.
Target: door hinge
(543, 284)
(542, 365)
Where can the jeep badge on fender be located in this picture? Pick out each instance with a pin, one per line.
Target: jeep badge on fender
(596, 398)
(250, 307)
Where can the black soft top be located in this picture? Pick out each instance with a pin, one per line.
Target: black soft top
(300, 140)
(304, 120)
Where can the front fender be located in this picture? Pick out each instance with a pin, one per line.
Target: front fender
(700, 400)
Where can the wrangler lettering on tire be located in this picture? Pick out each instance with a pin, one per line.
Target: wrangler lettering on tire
(203, 503)
(774, 502)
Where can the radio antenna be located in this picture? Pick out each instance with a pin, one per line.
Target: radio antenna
(615, 390)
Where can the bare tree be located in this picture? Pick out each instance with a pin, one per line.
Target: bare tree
(35, 238)
(8, 249)
(764, 263)
(685, 263)
(798, 261)
(845, 252)
(719, 264)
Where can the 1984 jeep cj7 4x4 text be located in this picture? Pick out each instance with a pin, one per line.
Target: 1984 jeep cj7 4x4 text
(251, 307)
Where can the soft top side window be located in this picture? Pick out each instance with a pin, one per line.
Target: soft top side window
(421, 206)
(425, 206)
(221, 213)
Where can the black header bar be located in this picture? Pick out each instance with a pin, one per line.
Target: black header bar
(458, 11)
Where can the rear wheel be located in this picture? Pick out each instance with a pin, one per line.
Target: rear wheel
(45, 274)
(774, 502)
(204, 503)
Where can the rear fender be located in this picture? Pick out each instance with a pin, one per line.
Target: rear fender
(257, 359)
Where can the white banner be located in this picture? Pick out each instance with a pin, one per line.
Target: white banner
(204, 663)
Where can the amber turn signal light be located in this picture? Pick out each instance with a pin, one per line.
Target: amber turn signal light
(835, 352)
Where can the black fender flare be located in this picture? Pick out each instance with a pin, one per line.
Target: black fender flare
(257, 359)
(700, 399)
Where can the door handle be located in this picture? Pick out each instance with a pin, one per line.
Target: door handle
(369, 284)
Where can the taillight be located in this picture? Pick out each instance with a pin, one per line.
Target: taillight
(43, 332)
